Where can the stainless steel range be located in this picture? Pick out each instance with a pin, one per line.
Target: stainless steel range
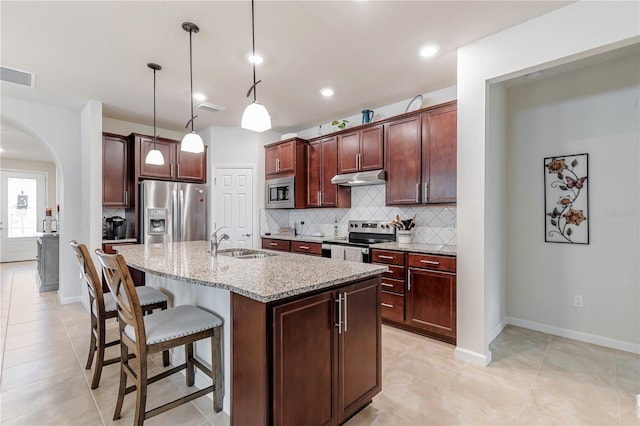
(362, 234)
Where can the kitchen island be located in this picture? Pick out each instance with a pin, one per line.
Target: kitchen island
(302, 340)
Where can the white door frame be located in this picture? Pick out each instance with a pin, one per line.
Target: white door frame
(212, 219)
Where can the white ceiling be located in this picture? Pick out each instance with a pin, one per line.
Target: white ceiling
(367, 51)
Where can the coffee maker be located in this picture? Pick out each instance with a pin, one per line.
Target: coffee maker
(116, 228)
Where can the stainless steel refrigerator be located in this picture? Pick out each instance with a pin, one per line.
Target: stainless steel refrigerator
(172, 211)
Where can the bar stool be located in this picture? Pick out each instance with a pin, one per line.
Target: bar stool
(103, 308)
(145, 335)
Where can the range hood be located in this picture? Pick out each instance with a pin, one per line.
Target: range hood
(373, 177)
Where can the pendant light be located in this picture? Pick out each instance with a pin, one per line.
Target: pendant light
(154, 156)
(192, 142)
(255, 116)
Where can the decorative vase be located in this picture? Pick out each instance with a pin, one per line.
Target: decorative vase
(404, 237)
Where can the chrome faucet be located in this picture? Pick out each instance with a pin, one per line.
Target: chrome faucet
(215, 240)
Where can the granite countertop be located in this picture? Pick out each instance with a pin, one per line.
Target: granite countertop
(303, 238)
(120, 241)
(418, 248)
(264, 279)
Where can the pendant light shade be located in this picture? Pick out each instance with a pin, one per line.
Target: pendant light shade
(255, 116)
(154, 156)
(192, 142)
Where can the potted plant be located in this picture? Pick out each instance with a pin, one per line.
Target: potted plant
(340, 124)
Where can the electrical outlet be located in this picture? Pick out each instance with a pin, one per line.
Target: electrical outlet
(578, 301)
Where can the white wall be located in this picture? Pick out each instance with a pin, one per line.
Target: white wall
(575, 31)
(592, 111)
(63, 132)
(41, 166)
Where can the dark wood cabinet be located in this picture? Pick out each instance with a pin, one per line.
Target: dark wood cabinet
(327, 352)
(190, 166)
(361, 150)
(420, 157)
(431, 295)
(322, 165)
(115, 171)
(178, 165)
(274, 244)
(393, 283)
(137, 275)
(301, 247)
(284, 158)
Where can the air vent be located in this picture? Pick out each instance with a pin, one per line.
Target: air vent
(17, 77)
(210, 107)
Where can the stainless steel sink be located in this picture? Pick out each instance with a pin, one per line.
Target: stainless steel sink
(245, 253)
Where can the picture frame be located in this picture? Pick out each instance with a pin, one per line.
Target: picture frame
(566, 198)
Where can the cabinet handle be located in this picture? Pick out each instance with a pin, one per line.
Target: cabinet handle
(339, 324)
(346, 305)
(126, 197)
(387, 285)
(273, 244)
(277, 164)
(304, 247)
(319, 198)
(417, 192)
(409, 281)
(386, 305)
(426, 190)
(382, 256)
(430, 262)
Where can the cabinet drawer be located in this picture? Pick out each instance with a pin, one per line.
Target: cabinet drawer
(440, 263)
(396, 272)
(392, 306)
(386, 256)
(306, 248)
(391, 285)
(269, 243)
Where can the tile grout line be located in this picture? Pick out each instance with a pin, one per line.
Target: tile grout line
(524, 405)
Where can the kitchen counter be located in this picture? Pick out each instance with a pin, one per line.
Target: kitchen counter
(264, 279)
(418, 248)
(120, 241)
(302, 238)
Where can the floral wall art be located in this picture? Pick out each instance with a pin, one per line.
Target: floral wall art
(566, 199)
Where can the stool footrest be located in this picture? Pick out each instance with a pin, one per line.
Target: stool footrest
(178, 402)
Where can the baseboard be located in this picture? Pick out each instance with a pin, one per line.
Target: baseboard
(576, 335)
(473, 357)
(67, 300)
(496, 330)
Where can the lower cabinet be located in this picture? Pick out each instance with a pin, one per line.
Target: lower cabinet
(137, 275)
(299, 247)
(326, 357)
(48, 262)
(274, 244)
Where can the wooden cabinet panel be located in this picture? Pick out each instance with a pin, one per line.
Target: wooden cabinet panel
(273, 244)
(387, 256)
(191, 166)
(348, 152)
(314, 174)
(392, 306)
(164, 171)
(440, 157)
(306, 248)
(271, 160)
(430, 261)
(286, 157)
(393, 285)
(431, 302)
(371, 148)
(360, 347)
(115, 171)
(306, 362)
(395, 271)
(322, 166)
(403, 153)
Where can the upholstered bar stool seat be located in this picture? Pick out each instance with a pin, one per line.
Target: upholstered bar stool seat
(144, 335)
(103, 307)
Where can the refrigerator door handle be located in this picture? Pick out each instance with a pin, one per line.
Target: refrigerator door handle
(176, 217)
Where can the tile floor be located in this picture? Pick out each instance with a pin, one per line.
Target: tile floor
(535, 378)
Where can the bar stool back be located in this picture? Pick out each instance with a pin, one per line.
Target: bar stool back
(181, 325)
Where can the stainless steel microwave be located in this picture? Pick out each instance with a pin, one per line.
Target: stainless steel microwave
(280, 193)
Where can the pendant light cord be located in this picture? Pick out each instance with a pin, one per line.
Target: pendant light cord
(154, 108)
(191, 74)
(253, 41)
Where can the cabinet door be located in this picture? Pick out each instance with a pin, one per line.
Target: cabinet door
(403, 148)
(440, 154)
(348, 152)
(191, 166)
(286, 157)
(115, 172)
(360, 346)
(371, 148)
(431, 301)
(305, 361)
(271, 160)
(314, 174)
(329, 170)
(167, 149)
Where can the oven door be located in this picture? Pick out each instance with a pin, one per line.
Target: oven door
(327, 250)
(280, 193)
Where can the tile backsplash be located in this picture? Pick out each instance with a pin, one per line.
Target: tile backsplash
(434, 225)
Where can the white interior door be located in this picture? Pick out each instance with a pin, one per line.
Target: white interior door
(233, 205)
(22, 205)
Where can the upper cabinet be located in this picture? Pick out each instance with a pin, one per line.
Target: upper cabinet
(178, 165)
(115, 171)
(361, 150)
(322, 165)
(283, 158)
(420, 157)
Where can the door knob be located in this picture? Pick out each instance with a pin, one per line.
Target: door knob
(246, 235)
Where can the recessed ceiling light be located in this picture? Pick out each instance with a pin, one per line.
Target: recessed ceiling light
(255, 59)
(429, 50)
(199, 96)
(326, 92)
